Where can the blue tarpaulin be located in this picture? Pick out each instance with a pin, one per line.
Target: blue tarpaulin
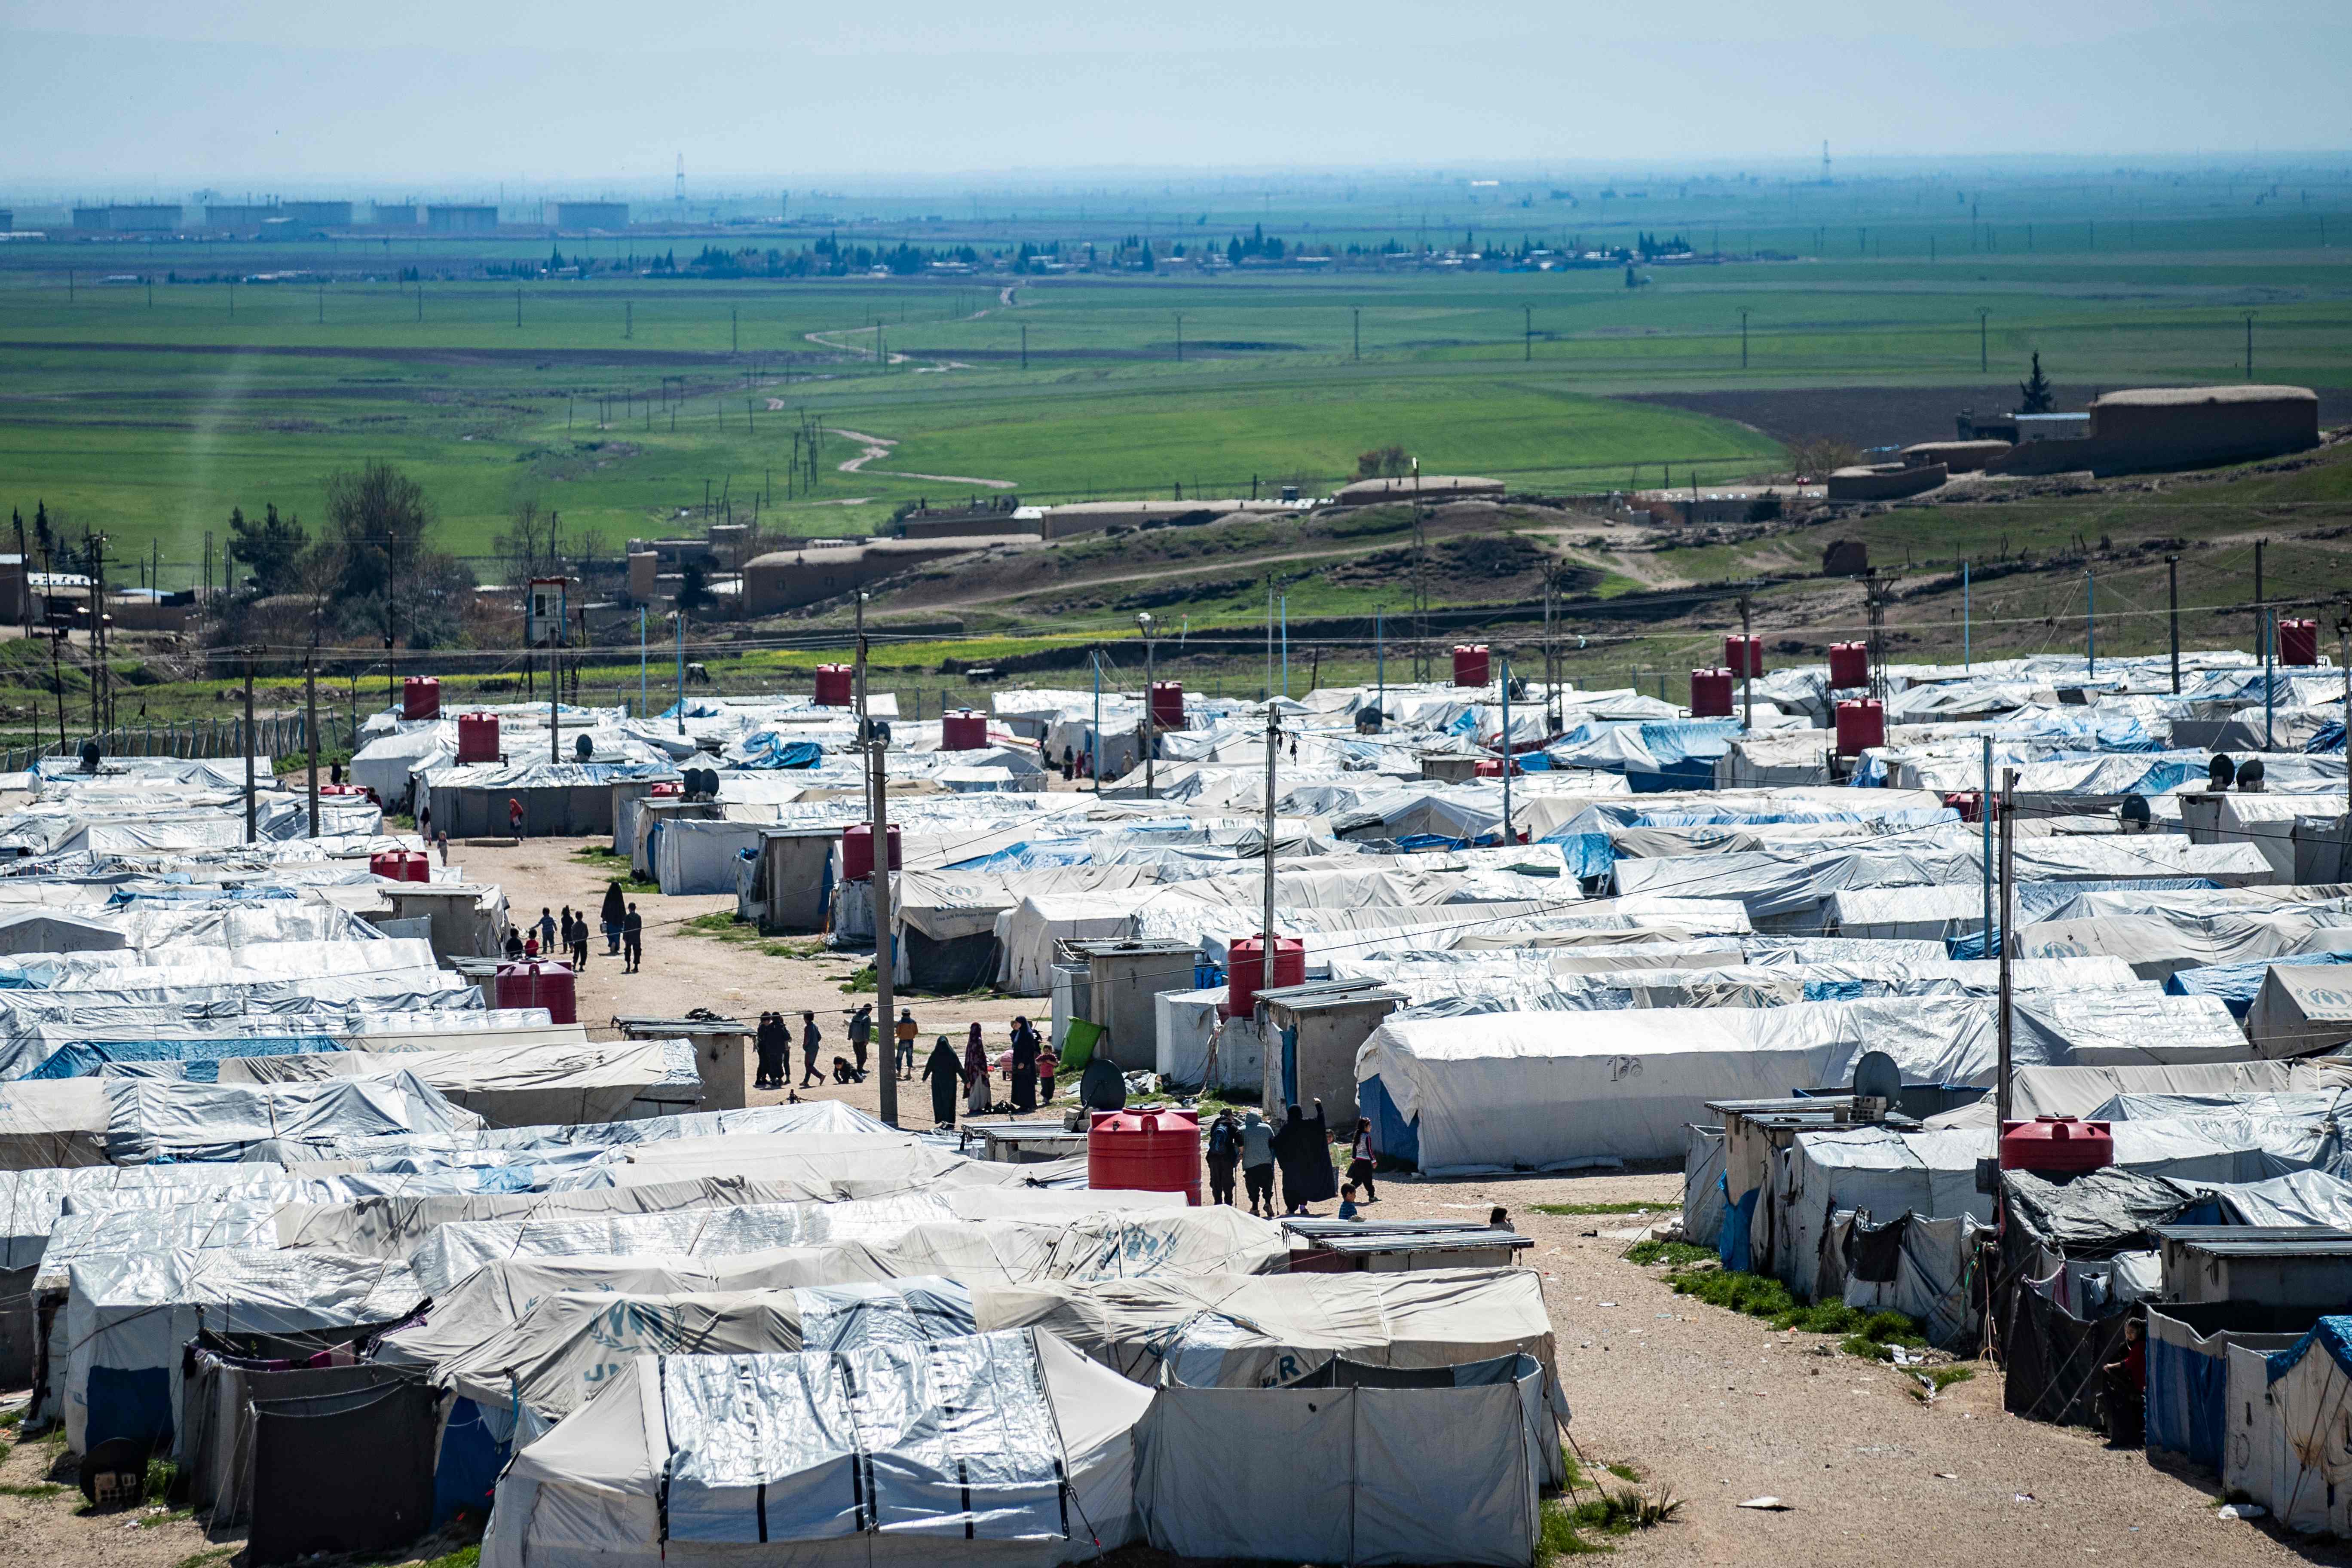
(2333, 1333)
(83, 1058)
(2235, 984)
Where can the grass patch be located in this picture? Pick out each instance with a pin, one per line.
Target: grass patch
(1578, 1524)
(1943, 1377)
(1571, 1210)
(1677, 1253)
(164, 1483)
(1870, 1335)
(205, 1558)
(741, 932)
(859, 980)
(617, 867)
(1623, 1471)
(464, 1557)
(37, 1489)
(15, 1418)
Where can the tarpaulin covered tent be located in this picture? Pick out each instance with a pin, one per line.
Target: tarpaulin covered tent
(2300, 1010)
(152, 1121)
(1010, 1445)
(1359, 1464)
(594, 1082)
(2285, 1411)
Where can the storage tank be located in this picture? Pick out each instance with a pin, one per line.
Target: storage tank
(963, 731)
(1245, 971)
(1166, 704)
(1849, 665)
(478, 737)
(1145, 1151)
(833, 685)
(858, 851)
(1861, 725)
(1471, 664)
(1710, 694)
(402, 865)
(420, 697)
(2056, 1145)
(1745, 656)
(538, 982)
(2298, 642)
(1488, 768)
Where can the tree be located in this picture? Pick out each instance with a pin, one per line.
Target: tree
(387, 582)
(2035, 394)
(270, 551)
(693, 587)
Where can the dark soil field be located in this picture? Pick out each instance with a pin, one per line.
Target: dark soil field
(1895, 416)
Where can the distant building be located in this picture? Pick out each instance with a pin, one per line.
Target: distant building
(237, 214)
(317, 214)
(461, 219)
(2052, 426)
(1846, 558)
(592, 215)
(129, 218)
(400, 214)
(2154, 429)
(785, 579)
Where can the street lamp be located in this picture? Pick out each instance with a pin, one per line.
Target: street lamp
(1150, 707)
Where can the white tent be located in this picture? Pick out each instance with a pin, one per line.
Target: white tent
(2300, 1009)
(1012, 1445)
(2285, 1419)
(586, 1082)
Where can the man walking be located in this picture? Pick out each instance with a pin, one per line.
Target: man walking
(812, 1042)
(907, 1032)
(861, 1032)
(1257, 1164)
(633, 941)
(1225, 1153)
(774, 1044)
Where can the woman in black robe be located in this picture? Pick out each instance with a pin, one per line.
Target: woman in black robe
(1303, 1149)
(945, 1072)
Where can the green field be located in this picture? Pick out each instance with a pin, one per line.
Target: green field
(150, 410)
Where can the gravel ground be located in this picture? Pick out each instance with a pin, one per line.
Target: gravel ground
(1715, 1407)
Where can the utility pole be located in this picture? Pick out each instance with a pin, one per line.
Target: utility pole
(1272, 1079)
(2172, 586)
(1746, 668)
(1510, 833)
(1967, 660)
(250, 655)
(1743, 340)
(1984, 827)
(1180, 337)
(1984, 361)
(2262, 631)
(885, 956)
(555, 681)
(681, 672)
(310, 724)
(2001, 1106)
(1150, 708)
(2090, 627)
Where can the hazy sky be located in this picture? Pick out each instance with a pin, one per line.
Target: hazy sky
(439, 96)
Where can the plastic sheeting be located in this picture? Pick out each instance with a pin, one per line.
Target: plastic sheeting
(1010, 1445)
(519, 1085)
(151, 1121)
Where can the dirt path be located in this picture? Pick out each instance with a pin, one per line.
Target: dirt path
(879, 446)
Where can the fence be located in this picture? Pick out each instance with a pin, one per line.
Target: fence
(283, 736)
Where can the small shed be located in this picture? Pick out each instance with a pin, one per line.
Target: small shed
(1123, 980)
(1391, 1245)
(2274, 1265)
(790, 890)
(717, 1052)
(1317, 1029)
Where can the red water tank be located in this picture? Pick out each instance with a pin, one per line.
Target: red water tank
(1166, 704)
(1245, 971)
(1968, 803)
(833, 685)
(538, 982)
(402, 865)
(1145, 1151)
(664, 789)
(963, 731)
(2056, 1145)
(478, 737)
(1487, 768)
(341, 792)
(1710, 694)
(1849, 665)
(1471, 665)
(420, 698)
(1861, 725)
(858, 851)
(2298, 642)
(1745, 656)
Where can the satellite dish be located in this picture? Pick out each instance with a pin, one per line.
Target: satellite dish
(1876, 1076)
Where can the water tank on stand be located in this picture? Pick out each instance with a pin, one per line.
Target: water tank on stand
(833, 685)
(1145, 1151)
(2298, 642)
(1471, 665)
(858, 851)
(420, 697)
(1849, 665)
(1745, 656)
(963, 731)
(1710, 694)
(402, 865)
(538, 982)
(1245, 971)
(2056, 1145)
(478, 737)
(1860, 726)
(1166, 704)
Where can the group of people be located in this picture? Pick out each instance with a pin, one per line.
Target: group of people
(1300, 1149)
(1030, 1068)
(773, 1045)
(566, 936)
